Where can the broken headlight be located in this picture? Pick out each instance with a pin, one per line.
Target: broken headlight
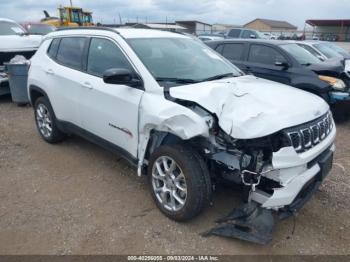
(336, 83)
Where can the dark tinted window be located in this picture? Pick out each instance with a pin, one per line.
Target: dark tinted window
(265, 55)
(234, 33)
(70, 51)
(103, 55)
(233, 51)
(248, 34)
(52, 52)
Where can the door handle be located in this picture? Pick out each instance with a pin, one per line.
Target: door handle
(50, 72)
(87, 85)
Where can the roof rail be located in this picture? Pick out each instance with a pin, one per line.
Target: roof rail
(87, 28)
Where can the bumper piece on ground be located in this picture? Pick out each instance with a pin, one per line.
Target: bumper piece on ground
(249, 222)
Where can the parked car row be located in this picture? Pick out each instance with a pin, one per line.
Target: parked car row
(245, 33)
(187, 118)
(289, 63)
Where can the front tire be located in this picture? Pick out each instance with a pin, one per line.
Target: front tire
(179, 182)
(46, 121)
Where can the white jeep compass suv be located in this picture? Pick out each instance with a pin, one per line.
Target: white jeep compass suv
(185, 117)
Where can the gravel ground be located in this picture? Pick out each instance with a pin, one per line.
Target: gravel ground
(76, 198)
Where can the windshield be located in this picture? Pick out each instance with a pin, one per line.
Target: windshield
(303, 56)
(181, 58)
(9, 28)
(327, 51)
(336, 48)
(40, 29)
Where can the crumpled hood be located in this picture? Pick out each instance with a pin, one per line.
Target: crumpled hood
(11, 43)
(248, 107)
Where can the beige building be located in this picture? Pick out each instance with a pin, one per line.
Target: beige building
(267, 25)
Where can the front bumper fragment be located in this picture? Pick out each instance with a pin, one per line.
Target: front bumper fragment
(316, 169)
(254, 223)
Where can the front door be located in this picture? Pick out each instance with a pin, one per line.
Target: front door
(110, 111)
(267, 62)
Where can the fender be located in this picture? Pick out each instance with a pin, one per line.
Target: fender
(33, 94)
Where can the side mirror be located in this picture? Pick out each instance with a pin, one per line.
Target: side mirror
(252, 36)
(121, 76)
(282, 64)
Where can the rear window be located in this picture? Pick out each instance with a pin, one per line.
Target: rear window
(70, 52)
(248, 34)
(234, 33)
(52, 52)
(233, 51)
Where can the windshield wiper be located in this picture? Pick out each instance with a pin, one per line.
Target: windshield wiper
(176, 80)
(217, 77)
(306, 64)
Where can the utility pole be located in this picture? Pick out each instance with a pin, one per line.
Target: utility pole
(120, 19)
(71, 3)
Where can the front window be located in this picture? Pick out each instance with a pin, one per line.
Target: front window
(303, 56)
(76, 16)
(104, 55)
(263, 54)
(327, 51)
(10, 28)
(181, 58)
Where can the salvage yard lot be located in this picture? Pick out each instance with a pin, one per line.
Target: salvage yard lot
(76, 198)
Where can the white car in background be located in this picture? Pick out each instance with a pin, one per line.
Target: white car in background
(322, 50)
(185, 117)
(14, 40)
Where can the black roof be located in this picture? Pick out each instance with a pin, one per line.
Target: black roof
(240, 40)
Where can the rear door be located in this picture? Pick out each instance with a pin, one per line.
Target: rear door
(65, 72)
(263, 60)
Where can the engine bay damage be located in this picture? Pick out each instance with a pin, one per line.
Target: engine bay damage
(271, 169)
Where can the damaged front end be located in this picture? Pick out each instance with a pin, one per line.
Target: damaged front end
(279, 172)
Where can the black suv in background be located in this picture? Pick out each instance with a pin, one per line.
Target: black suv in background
(287, 63)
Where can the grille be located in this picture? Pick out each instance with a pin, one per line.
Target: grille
(306, 136)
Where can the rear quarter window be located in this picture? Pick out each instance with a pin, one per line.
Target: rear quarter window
(235, 33)
(70, 52)
(233, 51)
(53, 48)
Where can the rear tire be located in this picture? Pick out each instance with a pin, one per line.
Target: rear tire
(45, 120)
(179, 182)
